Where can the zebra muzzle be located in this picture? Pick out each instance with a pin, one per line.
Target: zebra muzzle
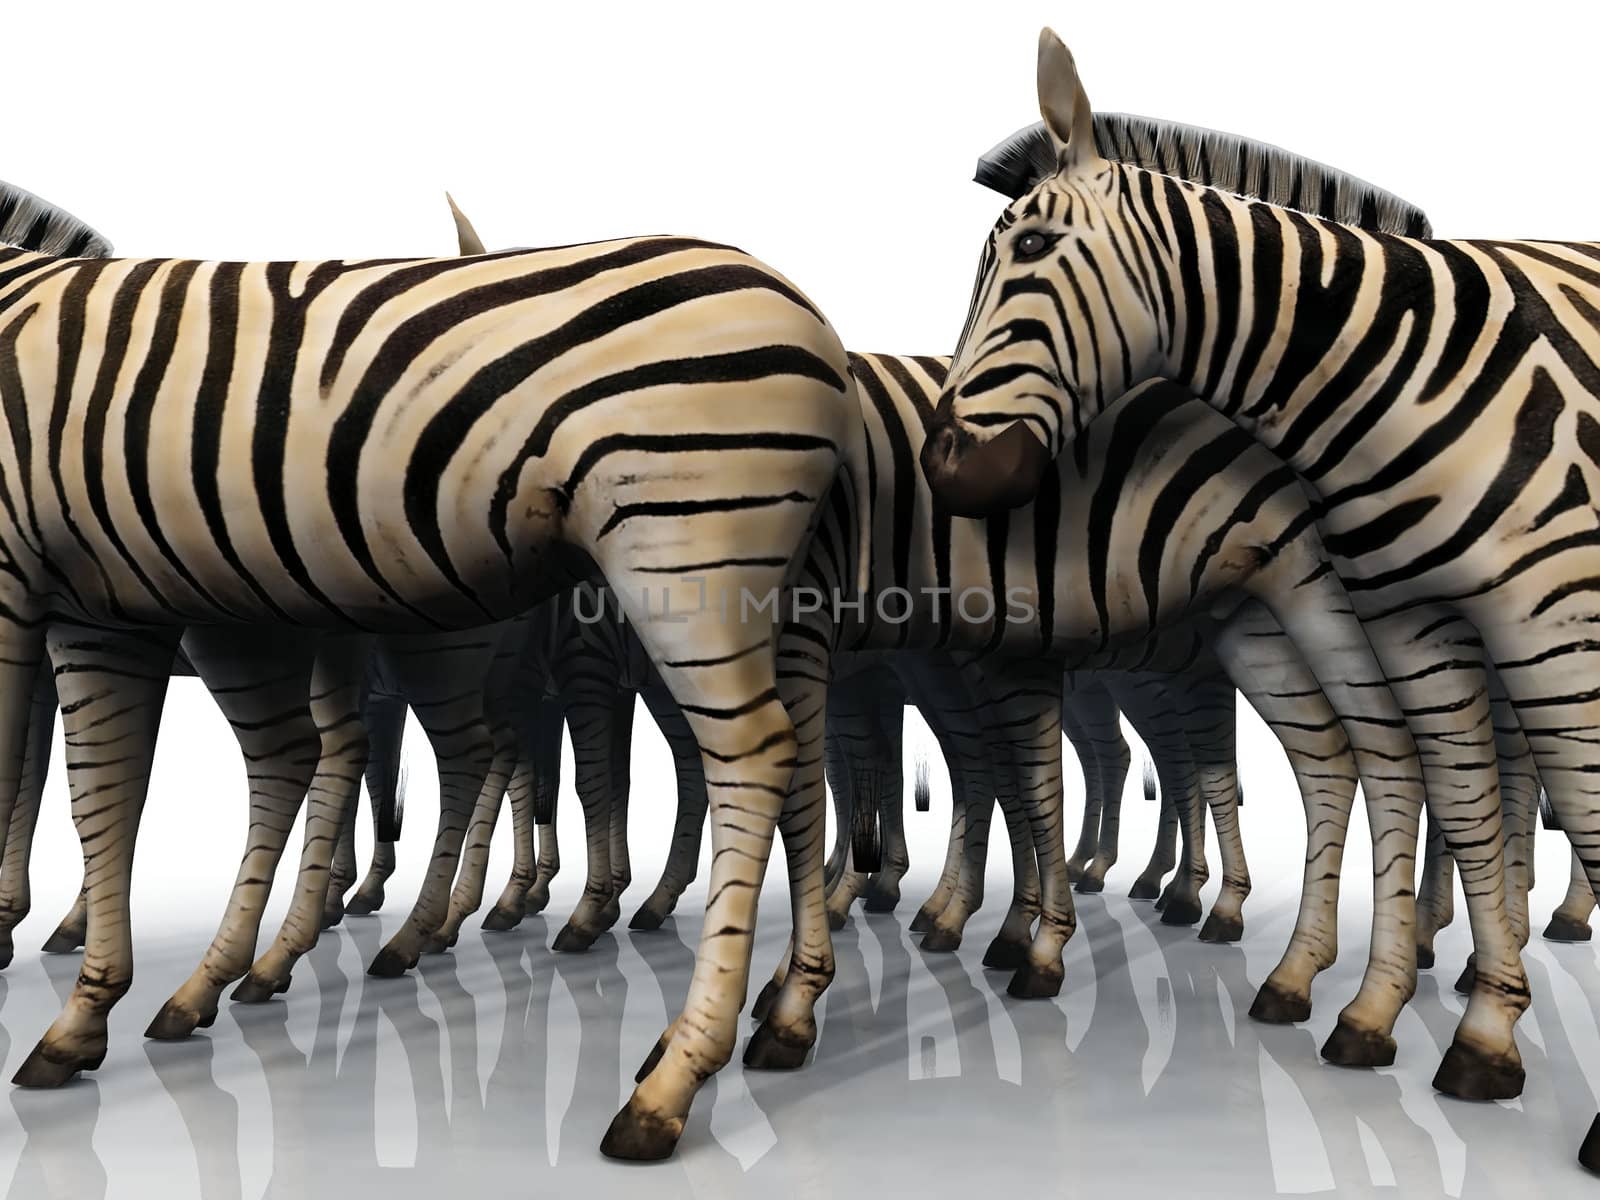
(979, 479)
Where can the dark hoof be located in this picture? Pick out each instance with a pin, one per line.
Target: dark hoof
(837, 920)
(1468, 976)
(1275, 1006)
(1074, 873)
(572, 940)
(1143, 889)
(7, 952)
(1424, 957)
(770, 1050)
(42, 1071)
(535, 903)
(923, 921)
(650, 1061)
(1468, 1074)
(641, 1137)
(1589, 1155)
(331, 917)
(173, 1024)
(1003, 955)
(1565, 929)
(1030, 983)
(253, 989)
(390, 964)
(501, 920)
(361, 906)
(436, 944)
(1219, 929)
(1348, 1046)
(1179, 911)
(764, 999)
(646, 919)
(881, 902)
(1090, 885)
(63, 941)
(1161, 900)
(940, 941)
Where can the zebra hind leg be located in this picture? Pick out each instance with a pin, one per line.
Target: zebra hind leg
(15, 894)
(683, 859)
(1570, 921)
(112, 685)
(385, 720)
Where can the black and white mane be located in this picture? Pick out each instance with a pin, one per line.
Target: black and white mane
(29, 223)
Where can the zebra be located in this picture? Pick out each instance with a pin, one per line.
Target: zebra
(469, 436)
(1385, 370)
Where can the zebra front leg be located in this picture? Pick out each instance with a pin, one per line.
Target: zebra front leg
(1093, 796)
(467, 895)
(1287, 697)
(341, 873)
(442, 677)
(620, 788)
(591, 709)
(68, 935)
(1519, 796)
(1143, 698)
(683, 858)
(1570, 921)
(261, 680)
(1210, 724)
(1097, 715)
(509, 909)
(1436, 893)
(883, 891)
(111, 685)
(15, 895)
(385, 720)
(545, 747)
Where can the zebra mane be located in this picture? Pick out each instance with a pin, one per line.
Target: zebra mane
(1254, 170)
(29, 223)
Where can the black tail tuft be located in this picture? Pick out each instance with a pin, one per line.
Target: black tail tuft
(1151, 793)
(866, 847)
(1547, 812)
(392, 807)
(922, 790)
(1240, 801)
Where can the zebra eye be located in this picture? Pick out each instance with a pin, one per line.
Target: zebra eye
(1030, 246)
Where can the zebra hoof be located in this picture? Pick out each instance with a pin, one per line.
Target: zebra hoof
(1032, 983)
(1468, 977)
(173, 1023)
(940, 941)
(639, 1136)
(1348, 1046)
(332, 916)
(1219, 930)
(1589, 1154)
(1003, 955)
(1144, 889)
(63, 941)
(647, 919)
(837, 920)
(436, 943)
(881, 900)
(1074, 872)
(1565, 929)
(1090, 885)
(1469, 1074)
(363, 905)
(1424, 957)
(390, 964)
(536, 900)
(770, 1050)
(764, 999)
(923, 921)
(610, 915)
(650, 1060)
(1181, 911)
(572, 940)
(256, 989)
(1277, 1006)
(41, 1069)
(500, 920)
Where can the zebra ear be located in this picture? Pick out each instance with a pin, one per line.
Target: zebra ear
(466, 235)
(1063, 105)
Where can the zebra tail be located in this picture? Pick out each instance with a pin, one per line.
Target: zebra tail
(923, 789)
(866, 847)
(1547, 812)
(1150, 792)
(392, 807)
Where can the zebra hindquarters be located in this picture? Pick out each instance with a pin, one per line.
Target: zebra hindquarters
(338, 679)
(261, 680)
(112, 684)
(16, 897)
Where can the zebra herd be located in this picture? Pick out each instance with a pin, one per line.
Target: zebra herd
(1194, 442)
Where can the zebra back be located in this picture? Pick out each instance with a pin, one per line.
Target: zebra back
(29, 223)
(1248, 168)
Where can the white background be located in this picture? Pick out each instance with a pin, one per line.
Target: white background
(835, 141)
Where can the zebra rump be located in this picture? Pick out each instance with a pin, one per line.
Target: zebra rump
(1243, 166)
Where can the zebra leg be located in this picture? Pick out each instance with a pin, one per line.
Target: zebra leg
(1570, 921)
(591, 707)
(545, 749)
(15, 895)
(683, 858)
(1519, 796)
(442, 677)
(509, 908)
(71, 929)
(852, 727)
(1097, 715)
(1144, 701)
(341, 873)
(883, 893)
(1026, 695)
(1211, 725)
(620, 788)
(1286, 696)
(1093, 794)
(950, 873)
(261, 680)
(338, 679)
(467, 896)
(112, 684)
(385, 721)
(1436, 893)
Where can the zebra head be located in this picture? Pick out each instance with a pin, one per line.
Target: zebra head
(1059, 325)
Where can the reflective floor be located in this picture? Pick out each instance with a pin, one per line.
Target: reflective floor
(500, 1065)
